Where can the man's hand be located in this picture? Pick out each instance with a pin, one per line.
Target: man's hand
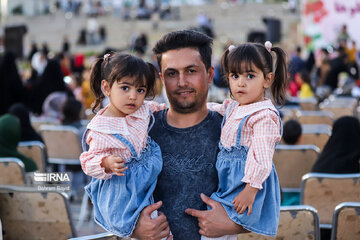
(114, 164)
(151, 229)
(214, 222)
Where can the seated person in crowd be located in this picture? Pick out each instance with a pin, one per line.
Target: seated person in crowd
(292, 132)
(28, 133)
(341, 153)
(10, 132)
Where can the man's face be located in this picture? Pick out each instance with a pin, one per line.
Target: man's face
(186, 79)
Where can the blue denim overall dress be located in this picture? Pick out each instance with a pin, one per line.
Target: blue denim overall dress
(119, 200)
(230, 165)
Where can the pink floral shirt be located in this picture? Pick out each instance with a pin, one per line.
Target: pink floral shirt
(133, 127)
(260, 133)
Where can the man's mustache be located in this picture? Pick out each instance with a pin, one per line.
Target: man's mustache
(177, 91)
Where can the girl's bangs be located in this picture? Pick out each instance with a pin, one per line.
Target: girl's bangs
(243, 59)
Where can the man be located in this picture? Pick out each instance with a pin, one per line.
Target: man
(188, 135)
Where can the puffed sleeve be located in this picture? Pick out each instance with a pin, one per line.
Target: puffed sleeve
(155, 106)
(220, 108)
(91, 160)
(265, 127)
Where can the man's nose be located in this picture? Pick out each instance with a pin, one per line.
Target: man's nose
(182, 80)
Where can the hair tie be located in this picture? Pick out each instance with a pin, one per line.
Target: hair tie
(106, 56)
(231, 47)
(268, 45)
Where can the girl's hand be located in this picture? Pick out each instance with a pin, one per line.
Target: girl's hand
(114, 164)
(245, 199)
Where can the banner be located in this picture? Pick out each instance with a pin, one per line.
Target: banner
(322, 21)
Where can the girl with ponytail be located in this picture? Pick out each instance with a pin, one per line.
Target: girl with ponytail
(118, 154)
(248, 184)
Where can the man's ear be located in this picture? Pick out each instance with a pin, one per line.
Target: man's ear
(106, 87)
(269, 78)
(211, 74)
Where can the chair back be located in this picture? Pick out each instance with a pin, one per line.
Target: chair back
(315, 117)
(292, 162)
(315, 134)
(62, 144)
(295, 222)
(36, 214)
(340, 106)
(325, 191)
(346, 221)
(12, 171)
(36, 151)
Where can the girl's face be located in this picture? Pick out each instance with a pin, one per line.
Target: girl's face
(249, 86)
(125, 97)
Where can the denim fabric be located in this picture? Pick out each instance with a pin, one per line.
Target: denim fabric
(119, 200)
(189, 156)
(264, 217)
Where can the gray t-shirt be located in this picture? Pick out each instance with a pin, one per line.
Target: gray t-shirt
(189, 156)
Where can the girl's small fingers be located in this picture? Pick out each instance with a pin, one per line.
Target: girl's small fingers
(120, 174)
(249, 210)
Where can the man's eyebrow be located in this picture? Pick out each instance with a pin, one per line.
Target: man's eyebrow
(187, 67)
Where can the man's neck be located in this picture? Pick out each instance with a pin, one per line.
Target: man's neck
(185, 120)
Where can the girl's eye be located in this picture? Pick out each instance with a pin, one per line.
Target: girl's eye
(250, 76)
(125, 88)
(234, 76)
(141, 90)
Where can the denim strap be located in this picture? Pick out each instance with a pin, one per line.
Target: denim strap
(238, 138)
(126, 142)
(228, 112)
(85, 146)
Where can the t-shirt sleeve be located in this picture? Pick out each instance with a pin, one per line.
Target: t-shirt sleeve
(265, 127)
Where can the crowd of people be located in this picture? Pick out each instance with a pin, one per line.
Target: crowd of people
(178, 159)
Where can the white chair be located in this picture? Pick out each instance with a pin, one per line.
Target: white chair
(36, 151)
(12, 171)
(62, 144)
(295, 223)
(346, 221)
(29, 213)
(292, 162)
(325, 191)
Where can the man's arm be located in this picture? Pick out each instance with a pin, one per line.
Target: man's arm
(148, 228)
(215, 222)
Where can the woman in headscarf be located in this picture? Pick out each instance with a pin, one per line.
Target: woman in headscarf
(341, 153)
(10, 133)
(51, 80)
(11, 87)
(28, 133)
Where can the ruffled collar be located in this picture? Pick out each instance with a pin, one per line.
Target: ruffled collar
(239, 112)
(117, 125)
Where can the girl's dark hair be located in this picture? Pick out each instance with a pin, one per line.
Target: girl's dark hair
(243, 57)
(116, 66)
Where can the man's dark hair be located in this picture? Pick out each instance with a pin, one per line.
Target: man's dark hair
(185, 39)
(292, 132)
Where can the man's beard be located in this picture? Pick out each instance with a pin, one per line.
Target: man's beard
(187, 106)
